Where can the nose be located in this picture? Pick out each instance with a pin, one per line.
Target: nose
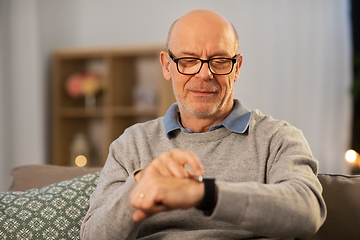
(205, 72)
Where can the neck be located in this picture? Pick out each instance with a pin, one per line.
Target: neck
(202, 124)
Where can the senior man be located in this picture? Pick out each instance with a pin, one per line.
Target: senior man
(259, 174)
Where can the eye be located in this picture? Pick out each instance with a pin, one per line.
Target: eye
(188, 62)
(220, 63)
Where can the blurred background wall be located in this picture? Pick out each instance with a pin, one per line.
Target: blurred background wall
(297, 63)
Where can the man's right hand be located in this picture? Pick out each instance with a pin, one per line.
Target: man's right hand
(165, 184)
(172, 164)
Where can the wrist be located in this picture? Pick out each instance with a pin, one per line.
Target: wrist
(138, 175)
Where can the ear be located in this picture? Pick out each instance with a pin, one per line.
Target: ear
(238, 66)
(165, 64)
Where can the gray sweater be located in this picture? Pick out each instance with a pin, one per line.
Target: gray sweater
(266, 179)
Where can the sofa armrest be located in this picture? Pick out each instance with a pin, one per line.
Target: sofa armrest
(38, 176)
(342, 197)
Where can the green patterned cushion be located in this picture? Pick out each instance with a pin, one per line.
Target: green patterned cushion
(52, 212)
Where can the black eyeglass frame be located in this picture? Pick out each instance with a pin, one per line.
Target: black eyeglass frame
(176, 60)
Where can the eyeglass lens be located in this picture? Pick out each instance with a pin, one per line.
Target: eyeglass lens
(193, 66)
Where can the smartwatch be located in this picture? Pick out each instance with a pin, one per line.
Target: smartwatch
(208, 202)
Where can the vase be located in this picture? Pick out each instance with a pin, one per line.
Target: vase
(90, 101)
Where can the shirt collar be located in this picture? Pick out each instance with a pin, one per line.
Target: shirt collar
(237, 121)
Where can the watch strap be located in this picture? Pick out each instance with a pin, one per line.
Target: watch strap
(208, 202)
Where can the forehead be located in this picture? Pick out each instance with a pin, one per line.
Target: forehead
(201, 35)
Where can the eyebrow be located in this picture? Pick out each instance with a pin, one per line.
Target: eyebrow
(190, 53)
(196, 55)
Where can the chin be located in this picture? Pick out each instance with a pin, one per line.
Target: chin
(203, 112)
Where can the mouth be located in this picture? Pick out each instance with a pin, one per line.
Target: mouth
(200, 89)
(202, 92)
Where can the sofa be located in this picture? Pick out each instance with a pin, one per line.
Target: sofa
(50, 202)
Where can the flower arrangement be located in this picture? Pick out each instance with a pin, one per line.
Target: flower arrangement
(84, 84)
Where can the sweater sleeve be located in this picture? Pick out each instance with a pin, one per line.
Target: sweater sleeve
(110, 212)
(289, 202)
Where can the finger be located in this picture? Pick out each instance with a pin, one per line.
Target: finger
(140, 215)
(140, 197)
(145, 194)
(188, 157)
(173, 166)
(158, 167)
(191, 174)
(145, 210)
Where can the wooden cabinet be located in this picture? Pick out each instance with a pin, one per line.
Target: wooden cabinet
(133, 90)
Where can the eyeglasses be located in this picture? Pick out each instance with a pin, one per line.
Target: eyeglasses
(191, 66)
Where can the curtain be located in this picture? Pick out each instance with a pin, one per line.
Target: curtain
(298, 67)
(22, 121)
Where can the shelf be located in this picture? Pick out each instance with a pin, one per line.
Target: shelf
(77, 112)
(134, 111)
(132, 77)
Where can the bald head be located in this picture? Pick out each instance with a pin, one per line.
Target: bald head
(202, 24)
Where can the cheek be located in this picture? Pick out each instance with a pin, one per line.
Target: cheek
(179, 80)
(171, 72)
(227, 84)
(178, 83)
(232, 80)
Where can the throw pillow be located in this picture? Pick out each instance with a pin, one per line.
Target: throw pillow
(52, 212)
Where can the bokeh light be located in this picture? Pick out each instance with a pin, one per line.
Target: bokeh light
(80, 161)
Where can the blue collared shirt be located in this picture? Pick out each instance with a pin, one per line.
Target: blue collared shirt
(237, 121)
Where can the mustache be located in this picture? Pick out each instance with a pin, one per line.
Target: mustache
(201, 87)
